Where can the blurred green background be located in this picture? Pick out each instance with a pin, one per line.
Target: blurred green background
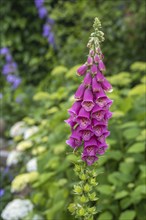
(48, 83)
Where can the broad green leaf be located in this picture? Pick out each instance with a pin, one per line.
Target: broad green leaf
(120, 79)
(105, 189)
(142, 135)
(127, 215)
(126, 167)
(141, 189)
(138, 66)
(131, 133)
(118, 178)
(129, 124)
(44, 177)
(137, 90)
(126, 104)
(120, 195)
(114, 154)
(125, 203)
(136, 148)
(41, 96)
(105, 216)
(59, 70)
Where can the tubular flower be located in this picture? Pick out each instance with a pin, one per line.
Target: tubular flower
(90, 113)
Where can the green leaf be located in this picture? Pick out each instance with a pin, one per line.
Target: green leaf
(137, 90)
(105, 216)
(105, 189)
(125, 203)
(127, 167)
(120, 79)
(136, 148)
(121, 194)
(127, 215)
(115, 154)
(138, 66)
(131, 133)
(126, 104)
(59, 70)
(141, 189)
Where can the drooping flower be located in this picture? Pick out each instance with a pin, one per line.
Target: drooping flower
(89, 159)
(86, 133)
(80, 92)
(90, 113)
(88, 102)
(101, 65)
(75, 139)
(90, 60)
(83, 118)
(88, 79)
(82, 70)
(74, 110)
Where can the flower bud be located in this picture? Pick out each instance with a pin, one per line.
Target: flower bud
(81, 212)
(72, 207)
(83, 177)
(89, 60)
(78, 189)
(77, 168)
(83, 199)
(91, 52)
(87, 188)
(92, 196)
(93, 182)
(82, 69)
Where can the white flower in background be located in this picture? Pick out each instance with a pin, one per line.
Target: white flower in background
(13, 158)
(24, 145)
(17, 129)
(30, 131)
(32, 165)
(37, 217)
(21, 181)
(17, 209)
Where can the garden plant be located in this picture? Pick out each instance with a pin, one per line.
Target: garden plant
(93, 166)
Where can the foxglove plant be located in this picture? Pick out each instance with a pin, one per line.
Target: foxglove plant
(47, 27)
(90, 113)
(88, 120)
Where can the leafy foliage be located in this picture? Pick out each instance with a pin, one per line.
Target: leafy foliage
(121, 185)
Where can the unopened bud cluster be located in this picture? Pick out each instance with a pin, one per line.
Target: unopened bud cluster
(85, 194)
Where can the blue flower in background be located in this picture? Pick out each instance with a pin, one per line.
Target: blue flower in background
(14, 80)
(9, 58)
(50, 21)
(2, 192)
(4, 51)
(1, 95)
(10, 69)
(42, 12)
(47, 27)
(46, 30)
(51, 38)
(38, 3)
